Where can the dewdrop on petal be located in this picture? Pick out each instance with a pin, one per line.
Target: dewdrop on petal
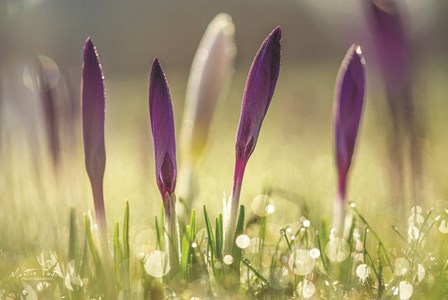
(242, 241)
(406, 290)
(337, 250)
(306, 289)
(157, 264)
(301, 262)
(401, 266)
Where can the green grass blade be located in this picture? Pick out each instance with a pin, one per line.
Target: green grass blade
(187, 241)
(219, 237)
(210, 238)
(126, 232)
(126, 272)
(93, 250)
(236, 253)
(118, 255)
(160, 235)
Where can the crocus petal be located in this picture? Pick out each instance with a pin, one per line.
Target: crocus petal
(211, 68)
(162, 125)
(93, 109)
(259, 89)
(258, 92)
(390, 40)
(348, 104)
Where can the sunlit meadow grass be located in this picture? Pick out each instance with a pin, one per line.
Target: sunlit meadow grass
(299, 177)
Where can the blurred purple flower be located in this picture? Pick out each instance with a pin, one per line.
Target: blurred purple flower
(390, 40)
(348, 104)
(162, 125)
(259, 89)
(49, 104)
(93, 109)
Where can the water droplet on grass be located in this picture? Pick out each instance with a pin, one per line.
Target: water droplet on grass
(443, 228)
(242, 241)
(306, 223)
(263, 205)
(194, 245)
(228, 259)
(306, 289)
(157, 264)
(420, 272)
(315, 253)
(401, 266)
(406, 290)
(337, 250)
(301, 262)
(362, 271)
(413, 233)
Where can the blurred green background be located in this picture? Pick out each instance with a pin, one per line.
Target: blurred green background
(295, 148)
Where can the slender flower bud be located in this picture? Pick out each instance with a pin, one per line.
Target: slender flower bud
(210, 72)
(258, 92)
(211, 68)
(162, 126)
(395, 59)
(93, 109)
(348, 104)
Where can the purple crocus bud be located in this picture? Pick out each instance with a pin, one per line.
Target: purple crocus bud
(258, 92)
(348, 104)
(162, 125)
(93, 108)
(390, 40)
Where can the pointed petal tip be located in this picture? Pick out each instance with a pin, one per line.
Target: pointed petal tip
(156, 68)
(276, 33)
(155, 61)
(88, 45)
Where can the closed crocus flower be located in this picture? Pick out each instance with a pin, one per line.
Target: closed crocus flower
(258, 92)
(211, 68)
(93, 109)
(348, 104)
(162, 126)
(210, 72)
(397, 66)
